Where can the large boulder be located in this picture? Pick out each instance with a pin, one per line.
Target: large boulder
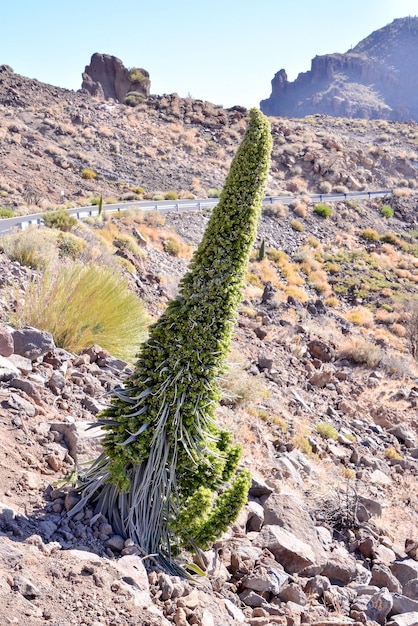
(107, 77)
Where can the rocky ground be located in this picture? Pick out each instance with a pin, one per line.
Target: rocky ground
(329, 533)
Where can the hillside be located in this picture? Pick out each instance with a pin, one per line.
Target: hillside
(321, 389)
(64, 147)
(373, 80)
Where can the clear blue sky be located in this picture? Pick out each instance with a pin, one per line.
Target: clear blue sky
(224, 51)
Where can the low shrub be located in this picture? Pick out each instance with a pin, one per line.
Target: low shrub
(323, 210)
(297, 225)
(387, 211)
(85, 304)
(6, 212)
(88, 174)
(362, 351)
(71, 246)
(171, 195)
(32, 248)
(60, 219)
(369, 234)
(327, 430)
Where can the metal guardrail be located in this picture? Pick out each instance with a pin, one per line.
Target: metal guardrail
(8, 225)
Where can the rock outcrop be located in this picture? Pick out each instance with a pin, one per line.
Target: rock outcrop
(374, 80)
(107, 77)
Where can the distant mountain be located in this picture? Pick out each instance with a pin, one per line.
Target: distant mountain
(377, 79)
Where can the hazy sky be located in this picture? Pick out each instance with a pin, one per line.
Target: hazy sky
(224, 51)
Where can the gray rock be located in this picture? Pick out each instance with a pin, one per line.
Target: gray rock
(265, 578)
(6, 342)
(405, 570)
(25, 587)
(410, 590)
(259, 489)
(383, 577)
(340, 566)
(380, 606)
(32, 343)
(406, 619)
(402, 604)
(7, 369)
(294, 554)
(26, 386)
(10, 556)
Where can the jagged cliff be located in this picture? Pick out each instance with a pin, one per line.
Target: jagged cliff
(107, 77)
(375, 80)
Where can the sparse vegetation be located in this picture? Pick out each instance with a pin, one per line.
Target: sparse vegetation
(60, 219)
(387, 211)
(327, 430)
(323, 210)
(85, 304)
(88, 174)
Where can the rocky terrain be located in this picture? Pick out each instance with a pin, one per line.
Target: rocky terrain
(371, 80)
(329, 534)
(322, 384)
(60, 147)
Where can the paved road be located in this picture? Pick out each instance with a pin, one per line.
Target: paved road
(8, 225)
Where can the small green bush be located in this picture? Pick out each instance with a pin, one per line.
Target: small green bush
(387, 211)
(172, 246)
(60, 219)
(327, 431)
(6, 212)
(171, 195)
(390, 238)
(297, 225)
(34, 247)
(214, 193)
(136, 76)
(88, 174)
(369, 234)
(323, 210)
(133, 99)
(71, 246)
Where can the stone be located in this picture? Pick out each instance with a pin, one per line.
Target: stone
(340, 567)
(234, 611)
(25, 587)
(294, 554)
(265, 578)
(108, 78)
(379, 606)
(411, 548)
(406, 619)
(10, 557)
(255, 516)
(293, 593)
(265, 362)
(259, 489)
(383, 577)
(403, 604)
(405, 570)
(28, 387)
(410, 590)
(7, 369)
(404, 434)
(6, 342)
(317, 585)
(32, 343)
